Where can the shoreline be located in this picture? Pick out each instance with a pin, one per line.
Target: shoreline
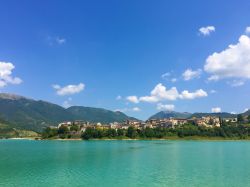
(136, 139)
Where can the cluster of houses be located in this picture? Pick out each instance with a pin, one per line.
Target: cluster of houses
(207, 121)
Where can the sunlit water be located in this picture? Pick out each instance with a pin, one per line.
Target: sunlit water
(124, 163)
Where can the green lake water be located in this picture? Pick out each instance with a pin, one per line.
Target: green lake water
(125, 163)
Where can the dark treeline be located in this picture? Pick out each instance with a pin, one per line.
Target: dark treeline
(240, 131)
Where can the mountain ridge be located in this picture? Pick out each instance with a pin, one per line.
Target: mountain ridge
(30, 114)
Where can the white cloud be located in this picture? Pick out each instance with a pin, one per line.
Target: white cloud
(216, 110)
(161, 106)
(6, 77)
(213, 91)
(246, 109)
(190, 74)
(60, 40)
(173, 79)
(159, 93)
(247, 31)
(136, 109)
(133, 99)
(233, 62)
(193, 95)
(236, 83)
(166, 75)
(67, 103)
(69, 89)
(206, 30)
(55, 40)
(118, 97)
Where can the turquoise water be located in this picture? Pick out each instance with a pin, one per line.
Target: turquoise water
(124, 163)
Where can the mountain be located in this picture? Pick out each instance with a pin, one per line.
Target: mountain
(168, 114)
(221, 114)
(29, 114)
(24, 113)
(247, 113)
(98, 114)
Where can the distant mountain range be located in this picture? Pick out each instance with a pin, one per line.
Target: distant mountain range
(220, 114)
(24, 113)
(168, 114)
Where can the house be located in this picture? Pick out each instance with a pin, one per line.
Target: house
(230, 120)
(208, 121)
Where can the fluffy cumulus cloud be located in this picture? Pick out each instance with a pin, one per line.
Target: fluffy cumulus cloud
(193, 95)
(161, 93)
(161, 106)
(133, 99)
(69, 89)
(206, 30)
(191, 74)
(6, 77)
(233, 62)
(216, 110)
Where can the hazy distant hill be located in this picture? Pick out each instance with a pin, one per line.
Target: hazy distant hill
(24, 113)
(222, 115)
(168, 114)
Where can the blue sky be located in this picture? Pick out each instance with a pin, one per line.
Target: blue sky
(90, 52)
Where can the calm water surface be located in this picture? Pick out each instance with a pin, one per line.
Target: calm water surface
(124, 163)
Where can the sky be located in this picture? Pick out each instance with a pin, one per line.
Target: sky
(135, 56)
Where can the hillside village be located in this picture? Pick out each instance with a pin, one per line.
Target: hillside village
(79, 126)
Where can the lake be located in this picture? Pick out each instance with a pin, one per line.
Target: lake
(125, 163)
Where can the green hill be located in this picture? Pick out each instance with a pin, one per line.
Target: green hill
(29, 114)
(6, 131)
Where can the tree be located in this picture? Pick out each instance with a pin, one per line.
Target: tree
(149, 132)
(248, 118)
(240, 118)
(88, 133)
(49, 132)
(120, 132)
(63, 130)
(132, 133)
(74, 128)
(111, 133)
